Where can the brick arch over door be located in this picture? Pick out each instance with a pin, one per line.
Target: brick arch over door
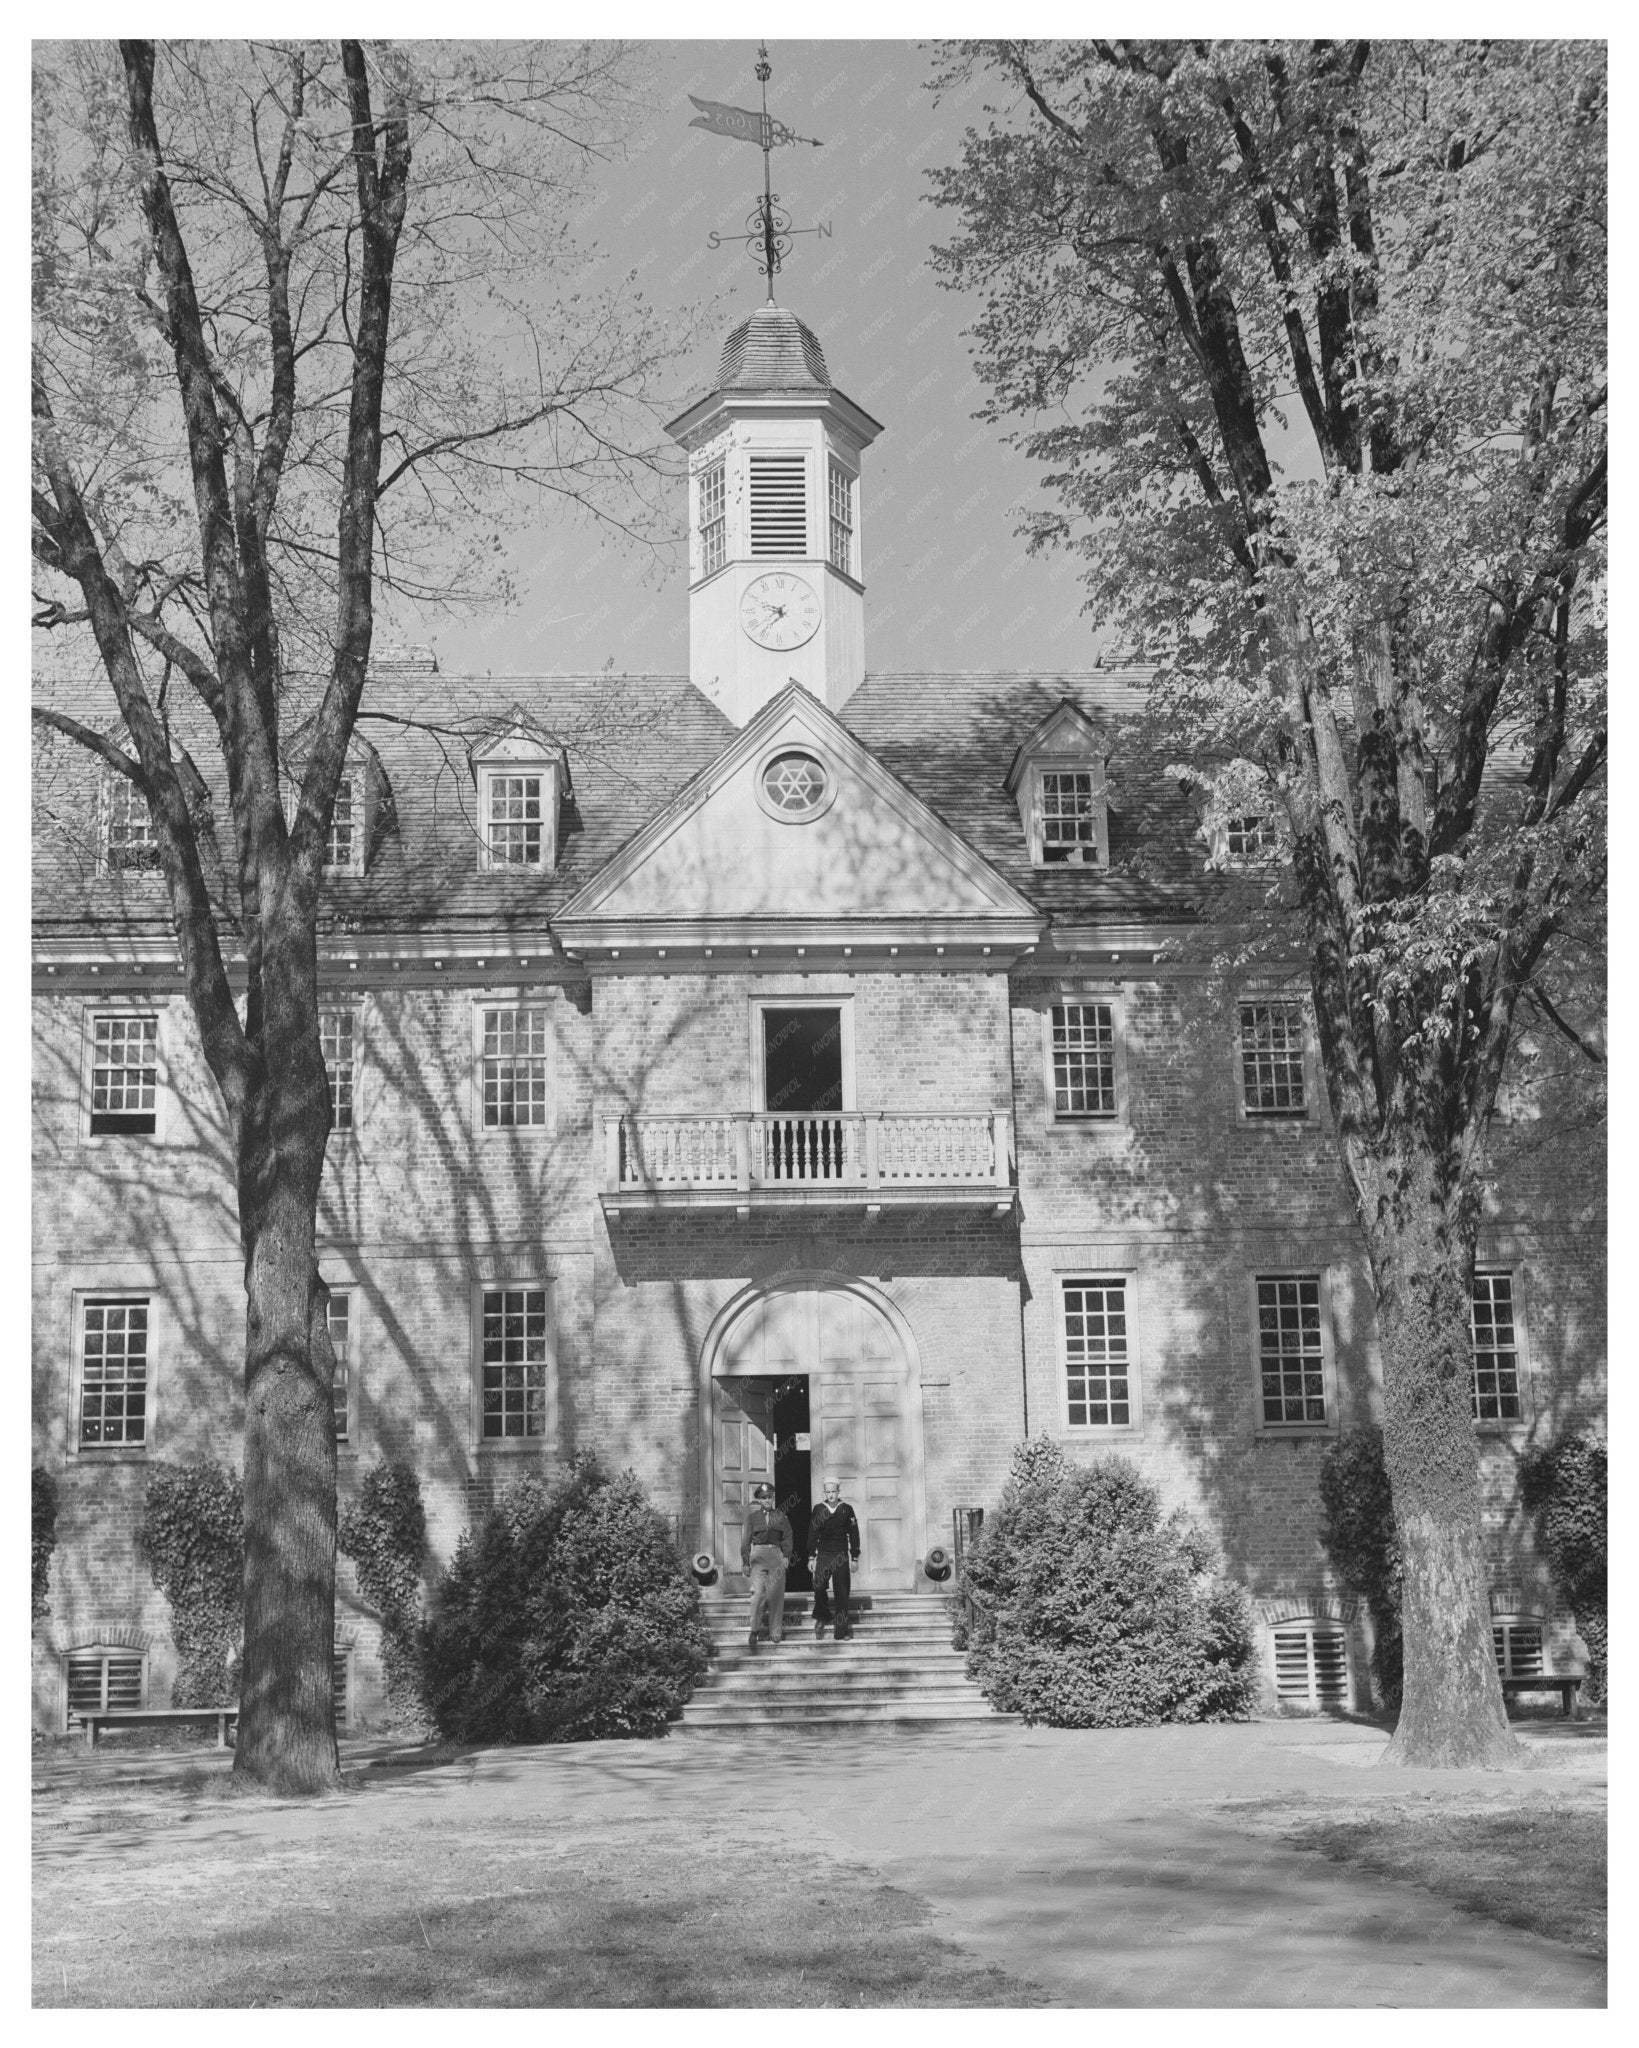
(865, 1404)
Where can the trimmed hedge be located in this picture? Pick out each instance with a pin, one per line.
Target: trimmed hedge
(43, 1502)
(384, 1532)
(1563, 1487)
(565, 1614)
(1088, 1609)
(193, 1536)
(1357, 1529)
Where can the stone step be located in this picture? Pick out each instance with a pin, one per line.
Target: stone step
(702, 1718)
(781, 1677)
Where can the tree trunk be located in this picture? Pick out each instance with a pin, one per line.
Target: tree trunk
(1451, 1712)
(287, 1730)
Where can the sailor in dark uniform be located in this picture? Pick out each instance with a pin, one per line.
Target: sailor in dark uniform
(833, 1539)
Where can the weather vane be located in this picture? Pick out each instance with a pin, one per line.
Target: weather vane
(768, 226)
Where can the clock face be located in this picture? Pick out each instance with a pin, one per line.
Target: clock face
(780, 610)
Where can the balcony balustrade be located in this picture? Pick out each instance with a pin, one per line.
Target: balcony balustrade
(749, 1160)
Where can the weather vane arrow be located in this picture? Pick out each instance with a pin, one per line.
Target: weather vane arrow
(769, 229)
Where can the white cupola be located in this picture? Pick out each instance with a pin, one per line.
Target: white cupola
(776, 565)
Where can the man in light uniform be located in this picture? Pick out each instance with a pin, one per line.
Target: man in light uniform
(765, 1549)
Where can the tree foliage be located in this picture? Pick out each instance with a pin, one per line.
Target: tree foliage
(1089, 1610)
(566, 1614)
(193, 1536)
(1357, 1528)
(43, 1516)
(1311, 338)
(1563, 1486)
(384, 1531)
(307, 326)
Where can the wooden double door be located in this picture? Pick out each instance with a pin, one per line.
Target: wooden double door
(829, 1350)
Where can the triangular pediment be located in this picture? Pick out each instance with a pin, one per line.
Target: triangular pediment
(761, 837)
(1066, 733)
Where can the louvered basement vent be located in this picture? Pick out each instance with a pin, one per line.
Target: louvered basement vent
(1518, 1645)
(338, 1686)
(1312, 1666)
(779, 505)
(99, 1679)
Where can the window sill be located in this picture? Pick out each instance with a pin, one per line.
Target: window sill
(113, 1454)
(1293, 1432)
(1114, 1125)
(514, 1446)
(1080, 1432)
(1276, 1119)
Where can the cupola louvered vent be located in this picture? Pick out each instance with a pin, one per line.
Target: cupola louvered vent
(1312, 1665)
(779, 505)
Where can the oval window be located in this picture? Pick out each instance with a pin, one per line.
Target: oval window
(795, 785)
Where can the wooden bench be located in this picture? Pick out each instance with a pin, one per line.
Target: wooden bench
(151, 1717)
(1546, 1681)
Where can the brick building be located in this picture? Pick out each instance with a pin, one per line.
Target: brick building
(780, 1070)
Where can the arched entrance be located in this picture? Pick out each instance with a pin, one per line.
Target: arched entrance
(850, 1353)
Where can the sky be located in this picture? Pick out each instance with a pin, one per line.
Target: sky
(948, 585)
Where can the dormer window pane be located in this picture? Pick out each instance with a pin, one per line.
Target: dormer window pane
(1251, 838)
(515, 821)
(131, 841)
(1069, 816)
(338, 848)
(713, 520)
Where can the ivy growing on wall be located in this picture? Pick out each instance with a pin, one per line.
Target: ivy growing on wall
(43, 1489)
(1357, 1529)
(1563, 1486)
(384, 1532)
(193, 1536)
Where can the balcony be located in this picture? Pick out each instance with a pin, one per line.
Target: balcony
(860, 1159)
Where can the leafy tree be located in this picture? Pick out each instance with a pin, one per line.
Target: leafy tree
(1313, 338)
(1089, 1609)
(299, 320)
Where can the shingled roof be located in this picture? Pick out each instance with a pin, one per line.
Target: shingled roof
(772, 350)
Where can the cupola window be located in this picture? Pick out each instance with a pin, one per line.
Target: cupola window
(779, 505)
(713, 520)
(842, 520)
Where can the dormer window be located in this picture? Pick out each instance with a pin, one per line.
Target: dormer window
(344, 847)
(1251, 839)
(1057, 780)
(128, 840)
(520, 783)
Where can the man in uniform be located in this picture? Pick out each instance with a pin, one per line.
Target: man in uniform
(765, 1549)
(833, 1537)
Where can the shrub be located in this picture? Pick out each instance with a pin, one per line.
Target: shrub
(384, 1532)
(43, 1492)
(1357, 1529)
(1089, 1610)
(566, 1614)
(193, 1536)
(1563, 1487)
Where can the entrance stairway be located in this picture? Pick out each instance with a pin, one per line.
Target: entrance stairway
(897, 1668)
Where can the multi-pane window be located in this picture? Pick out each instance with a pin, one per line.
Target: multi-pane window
(515, 1067)
(337, 1035)
(338, 1316)
(1518, 1645)
(1312, 1664)
(513, 1390)
(1496, 1349)
(842, 519)
(713, 520)
(130, 841)
(114, 1372)
(1255, 837)
(99, 1679)
(512, 825)
(1098, 1389)
(124, 1074)
(1069, 815)
(1272, 1077)
(1291, 1357)
(779, 505)
(341, 848)
(1084, 1060)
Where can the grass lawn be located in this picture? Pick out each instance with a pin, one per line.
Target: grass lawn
(1539, 1864)
(365, 1901)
